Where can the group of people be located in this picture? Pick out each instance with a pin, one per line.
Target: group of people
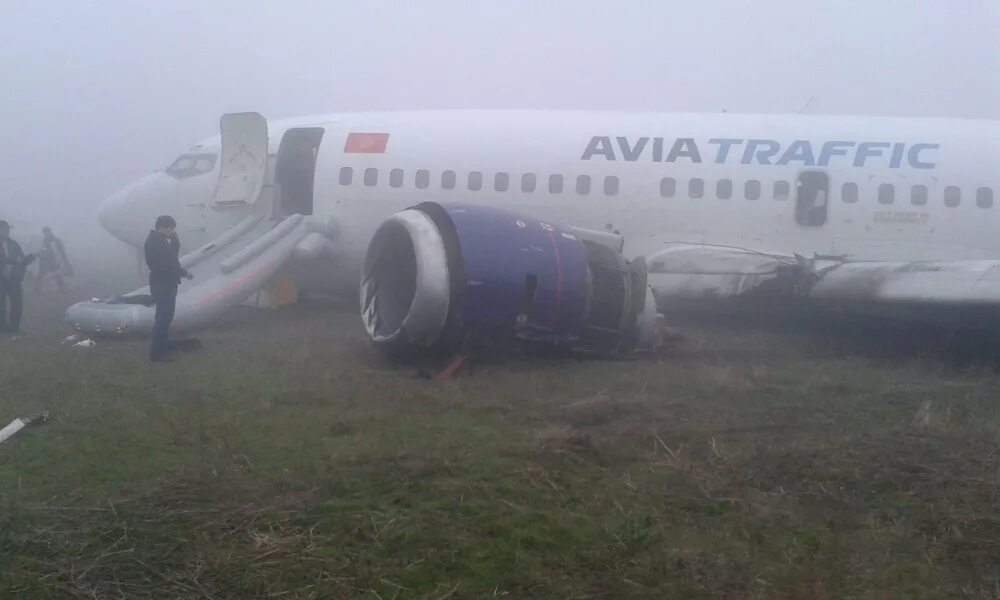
(162, 257)
(53, 263)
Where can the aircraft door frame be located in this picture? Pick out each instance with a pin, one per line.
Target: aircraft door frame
(295, 167)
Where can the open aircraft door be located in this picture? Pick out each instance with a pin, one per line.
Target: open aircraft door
(243, 162)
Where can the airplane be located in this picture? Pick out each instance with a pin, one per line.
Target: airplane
(866, 210)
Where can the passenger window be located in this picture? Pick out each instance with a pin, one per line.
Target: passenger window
(724, 189)
(952, 196)
(448, 180)
(668, 187)
(528, 182)
(555, 184)
(610, 185)
(811, 198)
(423, 179)
(396, 178)
(696, 188)
(918, 195)
(849, 193)
(501, 181)
(371, 176)
(583, 185)
(984, 197)
(346, 175)
(781, 190)
(475, 180)
(886, 193)
(751, 189)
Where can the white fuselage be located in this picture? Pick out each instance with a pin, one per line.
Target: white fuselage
(889, 188)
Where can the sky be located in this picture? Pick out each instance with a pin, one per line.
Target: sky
(98, 93)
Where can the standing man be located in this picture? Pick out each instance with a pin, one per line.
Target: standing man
(52, 261)
(13, 264)
(165, 273)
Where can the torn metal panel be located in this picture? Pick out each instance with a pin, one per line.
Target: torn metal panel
(696, 271)
(611, 239)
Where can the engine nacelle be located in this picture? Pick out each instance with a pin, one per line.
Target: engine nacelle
(437, 276)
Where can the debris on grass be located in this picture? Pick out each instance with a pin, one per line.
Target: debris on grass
(20, 423)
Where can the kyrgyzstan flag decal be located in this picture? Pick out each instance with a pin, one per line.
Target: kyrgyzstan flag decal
(366, 143)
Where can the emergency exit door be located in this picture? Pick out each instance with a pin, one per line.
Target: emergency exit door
(243, 160)
(812, 198)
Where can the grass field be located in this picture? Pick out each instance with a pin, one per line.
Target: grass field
(286, 460)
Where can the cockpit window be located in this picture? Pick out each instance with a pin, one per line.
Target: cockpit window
(190, 165)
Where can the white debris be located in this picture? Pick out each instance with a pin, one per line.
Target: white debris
(18, 424)
(8, 431)
(85, 344)
(70, 338)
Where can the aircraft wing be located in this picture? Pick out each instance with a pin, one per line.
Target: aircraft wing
(922, 282)
(698, 271)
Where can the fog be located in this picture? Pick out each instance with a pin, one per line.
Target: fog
(96, 94)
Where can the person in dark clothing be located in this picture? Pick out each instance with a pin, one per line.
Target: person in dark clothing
(53, 263)
(165, 273)
(13, 264)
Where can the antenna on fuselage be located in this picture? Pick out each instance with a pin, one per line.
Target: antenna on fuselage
(806, 105)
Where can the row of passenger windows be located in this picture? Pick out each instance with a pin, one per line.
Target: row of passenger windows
(848, 192)
(501, 181)
(752, 189)
(919, 195)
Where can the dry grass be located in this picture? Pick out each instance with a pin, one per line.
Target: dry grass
(788, 461)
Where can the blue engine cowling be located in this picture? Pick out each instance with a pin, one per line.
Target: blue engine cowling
(437, 276)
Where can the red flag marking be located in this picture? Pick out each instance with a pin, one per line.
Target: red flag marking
(366, 143)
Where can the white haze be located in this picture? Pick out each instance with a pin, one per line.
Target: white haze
(97, 93)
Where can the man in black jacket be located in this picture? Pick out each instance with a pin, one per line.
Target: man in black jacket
(165, 273)
(13, 264)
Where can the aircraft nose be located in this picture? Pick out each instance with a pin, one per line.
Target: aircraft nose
(114, 215)
(128, 213)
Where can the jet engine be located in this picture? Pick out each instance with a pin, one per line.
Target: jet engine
(439, 277)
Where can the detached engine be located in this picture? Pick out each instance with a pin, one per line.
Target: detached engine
(440, 276)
